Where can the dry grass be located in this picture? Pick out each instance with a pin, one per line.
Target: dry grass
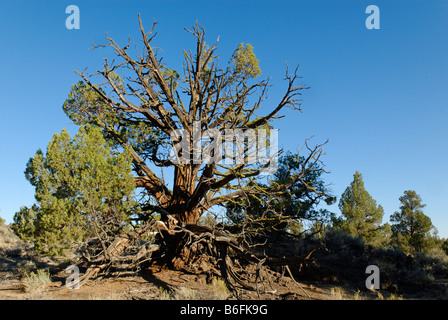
(338, 293)
(163, 294)
(181, 293)
(36, 281)
(216, 290)
(219, 289)
(390, 297)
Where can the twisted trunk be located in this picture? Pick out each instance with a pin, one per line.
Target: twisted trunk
(184, 186)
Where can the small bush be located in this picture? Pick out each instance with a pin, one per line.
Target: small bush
(438, 253)
(337, 293)
(434, 262)
(389, 260)
(36, 281)
(344, 244)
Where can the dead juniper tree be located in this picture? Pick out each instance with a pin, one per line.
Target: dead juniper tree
(202, 124)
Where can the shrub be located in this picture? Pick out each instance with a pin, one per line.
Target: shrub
(420, 278)
(435, 262)
(36, 281)
(438, 253)
(342, 243)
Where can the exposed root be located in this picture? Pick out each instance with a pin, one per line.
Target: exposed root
(193, 249)
(124, 252)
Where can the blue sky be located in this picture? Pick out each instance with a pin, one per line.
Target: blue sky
(378, 96)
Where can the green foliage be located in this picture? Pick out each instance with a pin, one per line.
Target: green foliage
(411, 228)
(24, 222)
(245, 62)
(86, 106)
(361, 216)
(82, 189)
(171, 77)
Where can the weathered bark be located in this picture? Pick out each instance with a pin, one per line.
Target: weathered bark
(184, 185)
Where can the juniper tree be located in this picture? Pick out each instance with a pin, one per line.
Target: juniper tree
(153, 113)
(141, 104)
(82, 188)
(361, 216)
(411, 227)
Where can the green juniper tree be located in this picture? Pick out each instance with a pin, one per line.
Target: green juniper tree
(411, 227)
(361, 216)
(82, 188)
(245, 61)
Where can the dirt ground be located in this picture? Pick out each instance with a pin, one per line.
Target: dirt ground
(156, 284)
(164, 285)
(18, 263)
